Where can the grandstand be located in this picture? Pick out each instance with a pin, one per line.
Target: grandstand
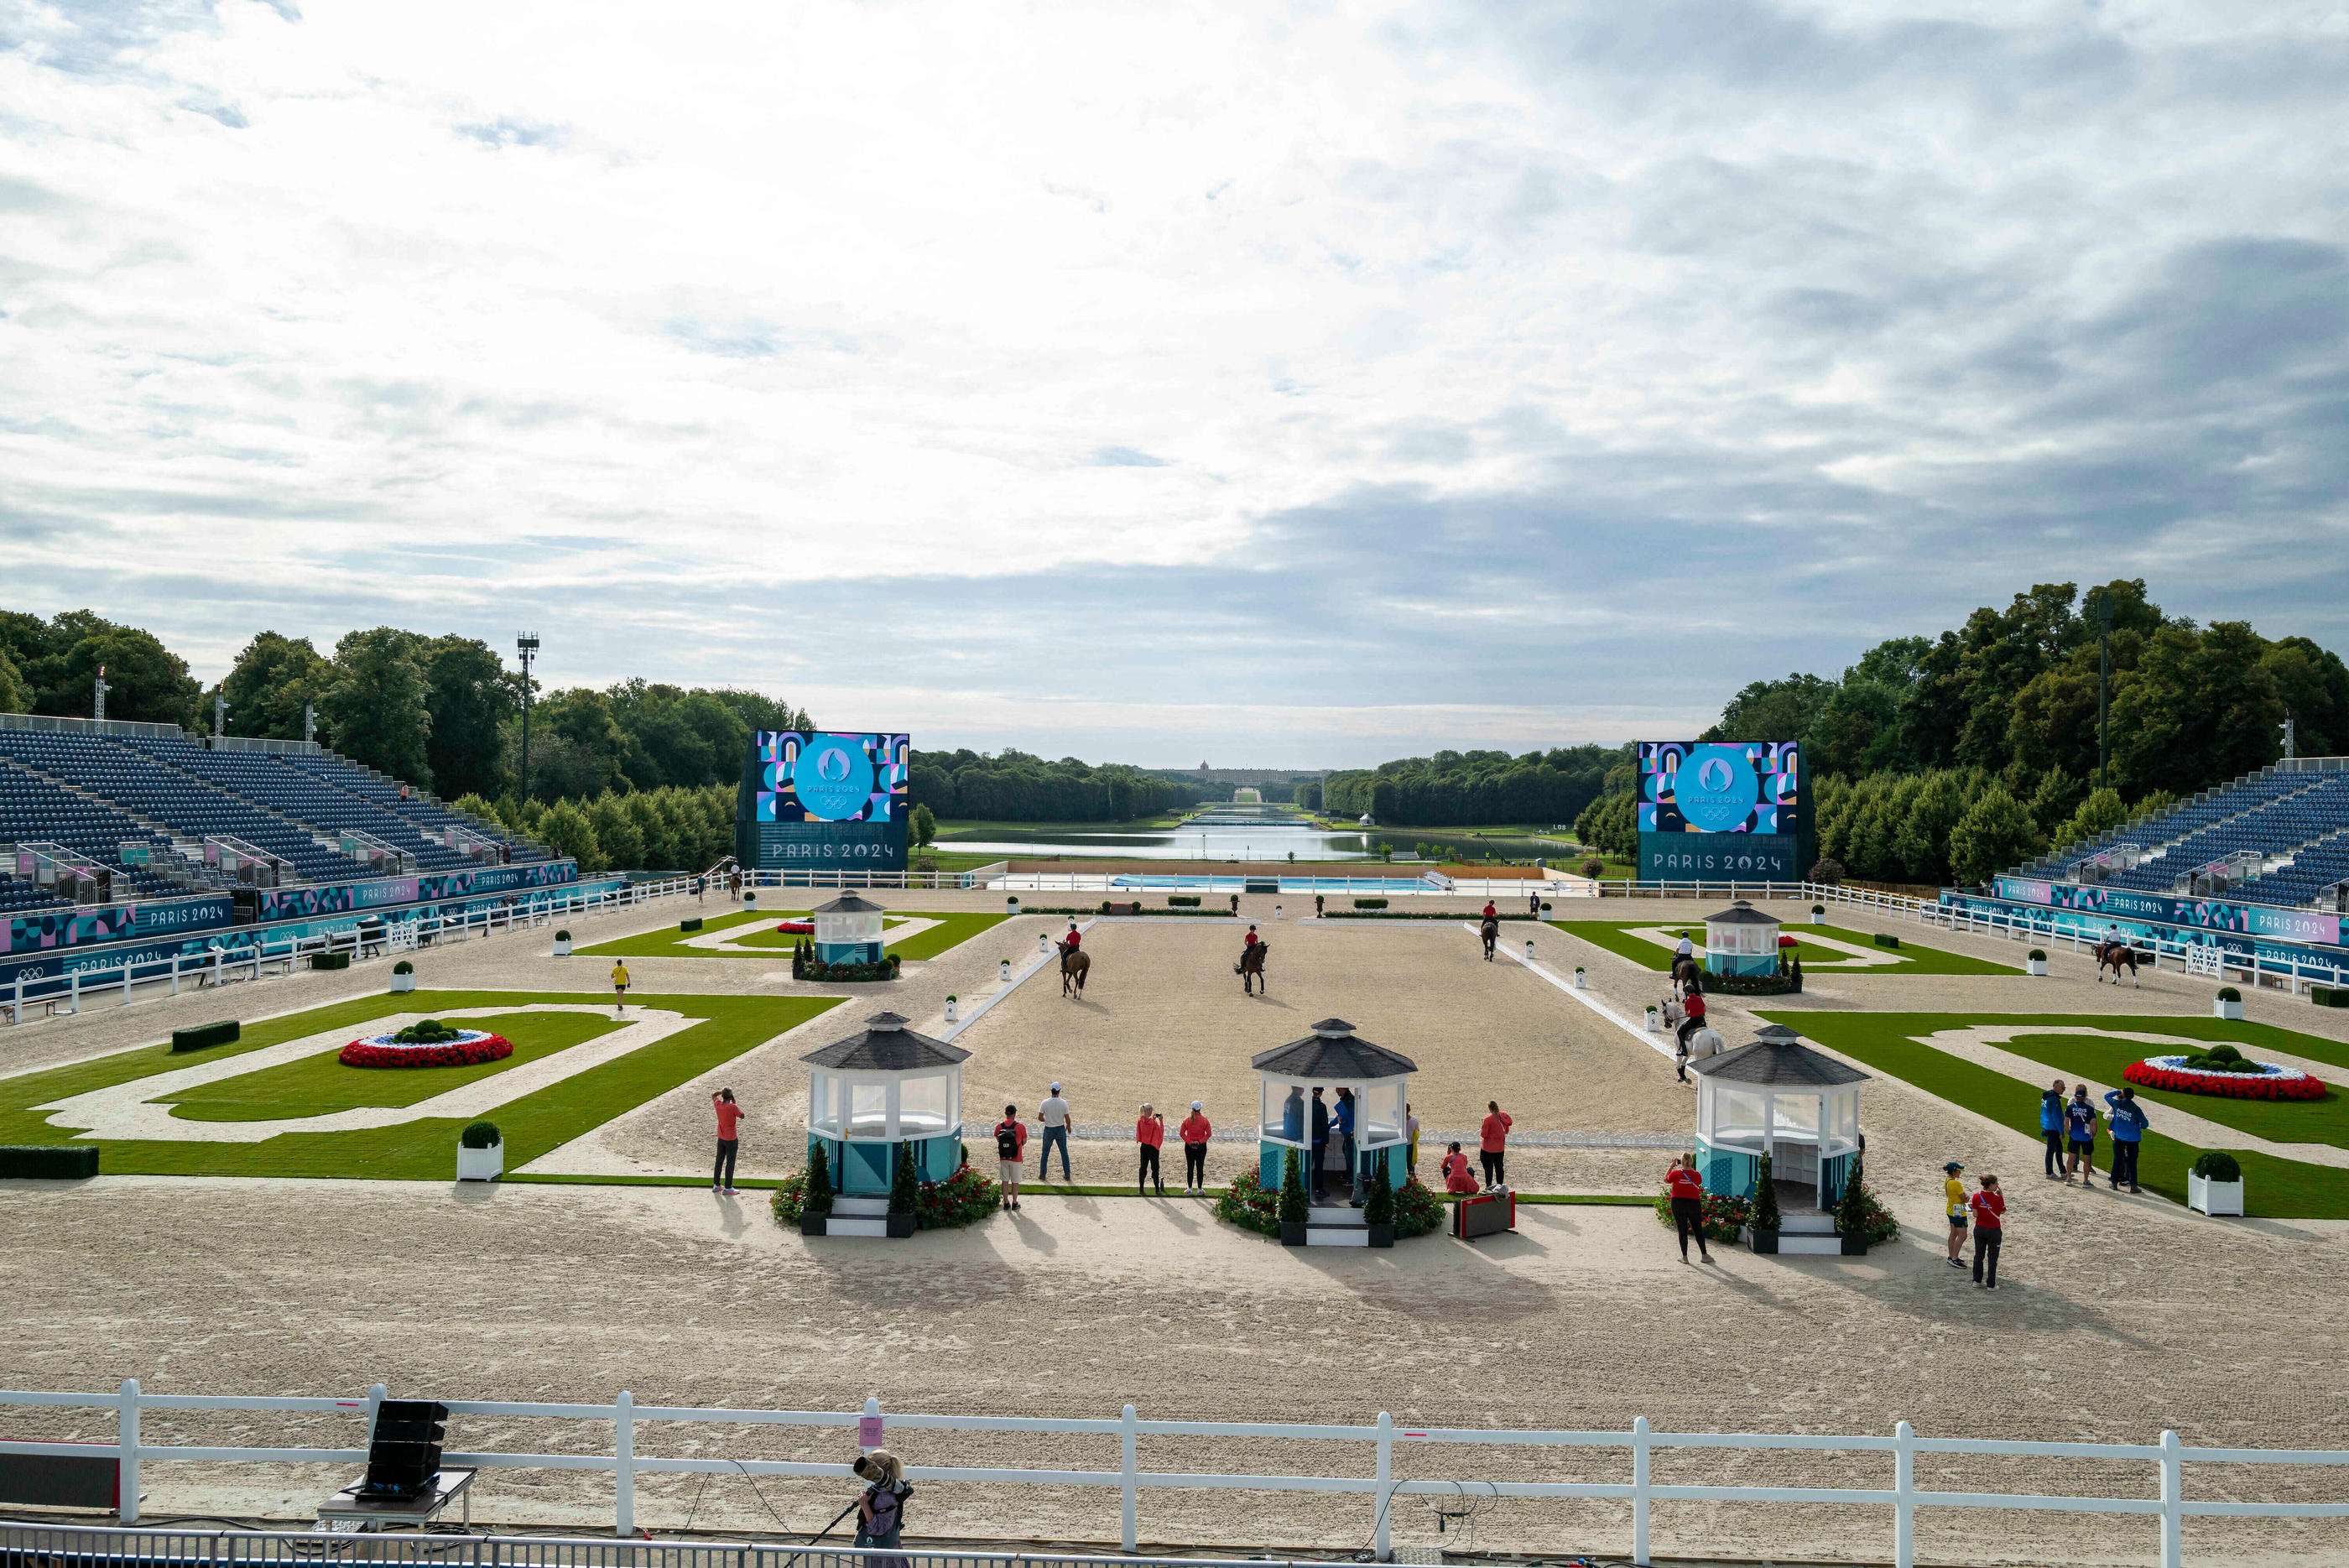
(115, 812)
(2279, 836)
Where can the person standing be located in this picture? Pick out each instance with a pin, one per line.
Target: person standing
(1345, 1119)
(1011, 1154)
(1320, 1143)
(1411, 1148)
(730, 1124)
(881, 1512)
(619, 987)
(1533, 906)
(2051, 1129)
(1990, 1212)
(1687, 1190)
(1149, 1137)
(2080, 1133)
(1196, 1131)
(1953, 1195)
(1495, 1145)
(1054, 1115)
(2128, 1125)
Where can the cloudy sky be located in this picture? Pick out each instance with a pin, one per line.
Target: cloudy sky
(1269, 383)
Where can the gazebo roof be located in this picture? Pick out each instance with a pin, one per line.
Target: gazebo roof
(885, 1045)
(1333, 1050)
(1779, 1059)
(850, 904)
(1742, 913)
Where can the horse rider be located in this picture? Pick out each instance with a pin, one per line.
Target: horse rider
(1251, 940)
(1686, 952)
(1491, 913)
(1073, 940)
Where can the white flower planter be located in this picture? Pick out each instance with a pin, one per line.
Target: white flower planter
(1578, 984)
(400, 982)
(481, 1164)
(562, 947)
(1003, 971)
(1818, 920)
(1010, 906)
(951, 1017)
(2213, 1197)
(2036, 965)
(2220, 1009)
(1655, 1022)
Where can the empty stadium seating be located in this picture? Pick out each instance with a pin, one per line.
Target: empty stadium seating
(2281, 815)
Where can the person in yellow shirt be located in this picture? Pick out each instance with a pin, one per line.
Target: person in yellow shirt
(1955, 1192)
(619, 988)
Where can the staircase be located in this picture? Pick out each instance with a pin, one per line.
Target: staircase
(1336, 1225)
(858, 1217)
(1812, 1232)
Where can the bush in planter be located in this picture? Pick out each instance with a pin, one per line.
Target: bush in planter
(1818, 908)
(1765, 1199)
(1245, 1203)
(1293, 1207)
(2218, 1164)
(403, 967)
(1724, 1220)
(1861, 1213)
(481, 1134)
(2229, 993)
(819, 1192)
(906, 1188)
(1379, 1204)
(1417, 1211)
(2039, 955)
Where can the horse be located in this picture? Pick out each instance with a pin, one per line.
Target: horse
(2113, 956)
(1684, 972)
(1075, 964)
(1489, 933)
(1250, 969)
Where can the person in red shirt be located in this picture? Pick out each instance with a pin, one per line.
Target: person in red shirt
(1693, 1009)
(1075, 938)
(1251, 940)
(1196, 1132)
(1490, 912)
(1989, 1205)
(730, 1122)
(1455, 1172)
(1010, 1153)
(1492, 1149)
(1150, 1135)
(1687, 1190)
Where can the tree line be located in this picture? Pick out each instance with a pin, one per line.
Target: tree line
(1468, 789)
(1014, 786)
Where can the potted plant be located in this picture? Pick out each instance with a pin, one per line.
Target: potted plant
(1292, 1201)
(563, 944)
(2037, 962)
(1655, 1018)
(2215, 1185)
(1548, 912)
(1003, 971)
(905, 1193)
(1012, 904)
(1818, 914)
(816, 1209)
(953, 1003)
(1762, 1230)
(1578, 984)
(403, 976)
(1379, 1206)
(2228, 1003)
(480, 1152)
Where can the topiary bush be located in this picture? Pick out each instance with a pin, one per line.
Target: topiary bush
(1886, 939)
(1379, 1204)
(2229, 993)
(204, 1035)
(2329, 995)
(562, 936)
(1859, 1212)
(2039, 955)
(905, 1188)
(2223, 1059)
(403, 967)
(1369, 903)
(1765, 1199)
(1417, 1209)
(427, 1031)
(2217, 1165)
(1184, 901)
(819, 1189)
(481, 1134)
(1293, 1207)
(48, 1162)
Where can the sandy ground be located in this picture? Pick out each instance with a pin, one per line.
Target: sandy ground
(2123, 1315)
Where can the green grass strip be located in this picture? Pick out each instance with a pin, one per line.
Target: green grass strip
(1887, 1042)
(1616, 937)
(418, 1150)
(757, 930)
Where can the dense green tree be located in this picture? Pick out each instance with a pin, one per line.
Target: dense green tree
(1995, 834)
(617, 838)
(2201, 708)
(472, 696)
(376, 704)
(271, 683)
(564, 829)
(1014, 786)
(146, 681)
(1480, 788)
(15, 696)
(2100, 813)
(924, 825)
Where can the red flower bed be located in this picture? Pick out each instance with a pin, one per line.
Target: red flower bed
(2226, 1085)
(798, 927)
(466, 1053)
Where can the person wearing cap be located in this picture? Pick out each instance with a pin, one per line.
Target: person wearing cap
(2080, 1120)
(1954, 1191)
(1196, 1132)
(2129, 1124)
(1054, 1113)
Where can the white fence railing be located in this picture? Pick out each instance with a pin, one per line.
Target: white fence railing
(2202, 958)
(2166, 1460)
(386, 939)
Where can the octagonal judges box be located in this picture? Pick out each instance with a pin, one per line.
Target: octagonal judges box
(1333, 1057)
(848, 930)
(882, 1088)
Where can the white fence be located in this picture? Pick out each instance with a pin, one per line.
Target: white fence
(2166, 1460)
(386, 938)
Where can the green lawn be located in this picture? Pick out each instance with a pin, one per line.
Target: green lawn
(316, 1086)
(1616, 936)
(418, 1150)
(951, 931)
(2278, 1121)
(2274, 1187)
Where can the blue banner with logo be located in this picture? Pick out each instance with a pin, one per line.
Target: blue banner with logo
(2198, 914)
(1720, 857)
(389, 892)
(825, 800)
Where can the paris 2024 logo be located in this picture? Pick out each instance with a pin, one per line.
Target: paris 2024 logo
(1716, 789)
(833, 778)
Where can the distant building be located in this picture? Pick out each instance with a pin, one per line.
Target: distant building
(1366, 821)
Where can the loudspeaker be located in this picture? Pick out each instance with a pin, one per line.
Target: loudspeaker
(405, 1451)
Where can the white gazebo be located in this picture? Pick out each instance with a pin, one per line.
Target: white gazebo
(883, 1086)
(1332, 1057)
(1777, 1097)
(1740, 940)
(848, 930)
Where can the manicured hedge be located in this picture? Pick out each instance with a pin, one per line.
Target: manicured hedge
(1886, 939)
(692, 925)
(1417, 914)
(2329, 995)
(331, 961)
(223, 1032)
(48, 1161)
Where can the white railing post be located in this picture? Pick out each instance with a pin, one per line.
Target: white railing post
(1640, 1491)
(73, 990)
(2173, 1495)
(1380, 1550)
(1127, 1485)
(126, 1474)
(175, 973)
(624, 1468)
(126, 982)
(375, 1395)
(1904, 1486)
(17, 1008)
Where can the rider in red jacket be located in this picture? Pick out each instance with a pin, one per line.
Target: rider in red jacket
(1251, 940)
(1074, 938)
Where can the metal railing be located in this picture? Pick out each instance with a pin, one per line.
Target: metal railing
(2168, 1457)
(224, 963)
(87, 1545)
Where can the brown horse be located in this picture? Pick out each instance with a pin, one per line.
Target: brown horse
(2113, 956)
(1250, 969)
(1684, 973)
(1075, 964)
(1489, 933)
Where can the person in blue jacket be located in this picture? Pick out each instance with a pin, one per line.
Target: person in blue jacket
(2051, 1128)
(2080, 1131)
(1320, 1144)
(1345, 1130)
(2129, 1122)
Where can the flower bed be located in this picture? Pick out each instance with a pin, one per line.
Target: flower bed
(469, 1048)
(2261, 1081)
(797, 927)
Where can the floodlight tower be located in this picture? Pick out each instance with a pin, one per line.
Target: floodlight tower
(2104, 675)
(99, 689)
(526, 645)
(220, 714)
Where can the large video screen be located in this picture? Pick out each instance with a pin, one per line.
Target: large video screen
(824, 800)
(1714, 811)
